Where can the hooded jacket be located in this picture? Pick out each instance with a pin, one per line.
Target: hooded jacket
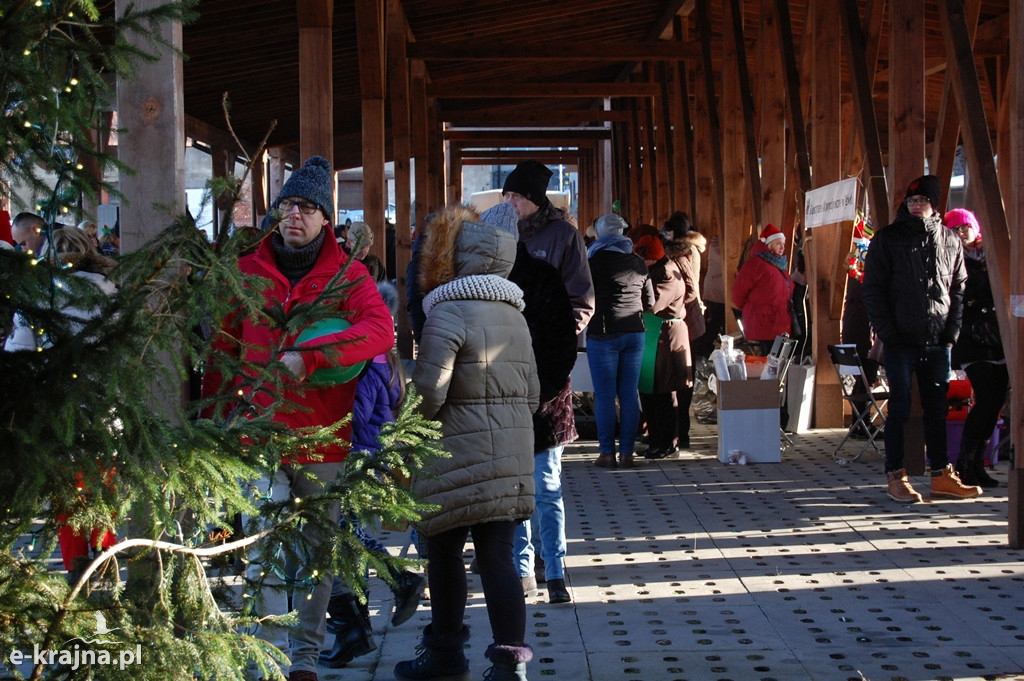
(914, 282)
(550, 236)
(673, 361)
(622, 288)
(476, 373)
(370, 334)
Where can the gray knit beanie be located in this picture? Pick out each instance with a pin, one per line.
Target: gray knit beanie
(504, 217)
(312, 182)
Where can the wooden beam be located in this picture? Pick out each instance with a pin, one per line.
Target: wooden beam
(398, 86)
(826, 280)
(371, 41)
(735, 228)
(747, 110)
(797, 128)
(947, 131)
(878, 192)
(773, 123)
(548, 90)
(980, 157)
(483, 51)
(1015, 208)
(316, 94)
(531, 119)
(481, 157)
(906, 103)
(551, 136)
(660, 147)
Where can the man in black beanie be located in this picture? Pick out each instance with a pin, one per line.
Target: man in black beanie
(298, 262)
(913, 290)
(549, 235)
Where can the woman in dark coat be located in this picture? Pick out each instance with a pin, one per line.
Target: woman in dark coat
(979, 352)
(615, 337)
(673, 366)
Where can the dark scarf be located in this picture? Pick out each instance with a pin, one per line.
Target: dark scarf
(295, 263)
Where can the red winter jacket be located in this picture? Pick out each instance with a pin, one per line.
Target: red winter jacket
(763, 291)
(371, 325)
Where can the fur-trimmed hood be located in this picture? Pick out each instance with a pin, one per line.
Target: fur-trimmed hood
(694, 240)
(677, 249)
(456, 244)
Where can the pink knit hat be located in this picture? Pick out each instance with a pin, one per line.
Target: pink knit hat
(961, 216)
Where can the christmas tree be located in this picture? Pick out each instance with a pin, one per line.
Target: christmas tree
(98, 435)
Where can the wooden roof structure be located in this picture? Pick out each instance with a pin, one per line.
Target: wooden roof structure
(730, 110)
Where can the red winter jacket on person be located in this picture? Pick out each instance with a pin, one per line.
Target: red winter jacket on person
(371, 333)
(763, 291)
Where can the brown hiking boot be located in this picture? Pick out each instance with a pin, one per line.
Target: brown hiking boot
(900, 489)
(948, 485)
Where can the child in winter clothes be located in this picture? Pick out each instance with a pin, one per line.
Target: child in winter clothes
(379, 395)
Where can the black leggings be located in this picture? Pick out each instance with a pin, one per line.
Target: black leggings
(989, 382)
(503, 592)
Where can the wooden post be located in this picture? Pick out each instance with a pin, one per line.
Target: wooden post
(1015, 208)
(735, 228)
(398, 77)
(773, 123)
(316, 94)
(151, 115)
(370, 41)
(822, 255)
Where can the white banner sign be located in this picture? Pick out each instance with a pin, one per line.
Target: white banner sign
(830, 204)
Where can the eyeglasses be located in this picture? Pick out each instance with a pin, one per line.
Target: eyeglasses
(918, 201)
(305, 207)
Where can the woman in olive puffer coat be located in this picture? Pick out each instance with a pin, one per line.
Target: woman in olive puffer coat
(477, 375)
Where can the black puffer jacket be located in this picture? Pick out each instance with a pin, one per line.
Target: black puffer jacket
(978, 304)
(914, 282)
(622, 289)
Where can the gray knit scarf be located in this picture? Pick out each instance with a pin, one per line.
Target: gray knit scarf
(295, 263)
(476, 287)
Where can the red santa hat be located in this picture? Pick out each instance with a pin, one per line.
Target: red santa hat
(770, 233)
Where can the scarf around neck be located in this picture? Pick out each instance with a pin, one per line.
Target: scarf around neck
(780, 261)
(295, 263)
(476, 287)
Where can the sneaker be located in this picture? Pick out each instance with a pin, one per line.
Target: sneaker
(947, 484)
(900, 489)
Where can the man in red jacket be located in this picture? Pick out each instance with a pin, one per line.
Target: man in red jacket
(298, 260)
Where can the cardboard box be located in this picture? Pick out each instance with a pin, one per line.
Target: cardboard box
(748, 420)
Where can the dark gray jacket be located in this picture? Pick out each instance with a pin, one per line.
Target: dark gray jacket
(914, 282)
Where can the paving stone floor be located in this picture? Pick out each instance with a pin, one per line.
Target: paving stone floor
(692, 570)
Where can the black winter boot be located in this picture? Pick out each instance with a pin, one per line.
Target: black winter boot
(966, 470)
(353, 634)
(509, 662)
(981, 475)
(440, 658)
(407, 596)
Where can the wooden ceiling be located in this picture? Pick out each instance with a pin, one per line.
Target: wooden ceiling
(530, 63)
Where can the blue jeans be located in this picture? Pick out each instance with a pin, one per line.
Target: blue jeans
(931, 364)
(615, 371)
(549, 518)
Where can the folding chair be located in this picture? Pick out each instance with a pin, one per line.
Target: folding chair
(866, 404)
(784, 348)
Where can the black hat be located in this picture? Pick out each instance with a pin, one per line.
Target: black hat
(529, 179)
(926, 185)
(313, 182)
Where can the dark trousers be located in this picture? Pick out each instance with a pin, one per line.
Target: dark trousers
(503, 592)
(989, 382)
(931, 365)
(666, 417)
